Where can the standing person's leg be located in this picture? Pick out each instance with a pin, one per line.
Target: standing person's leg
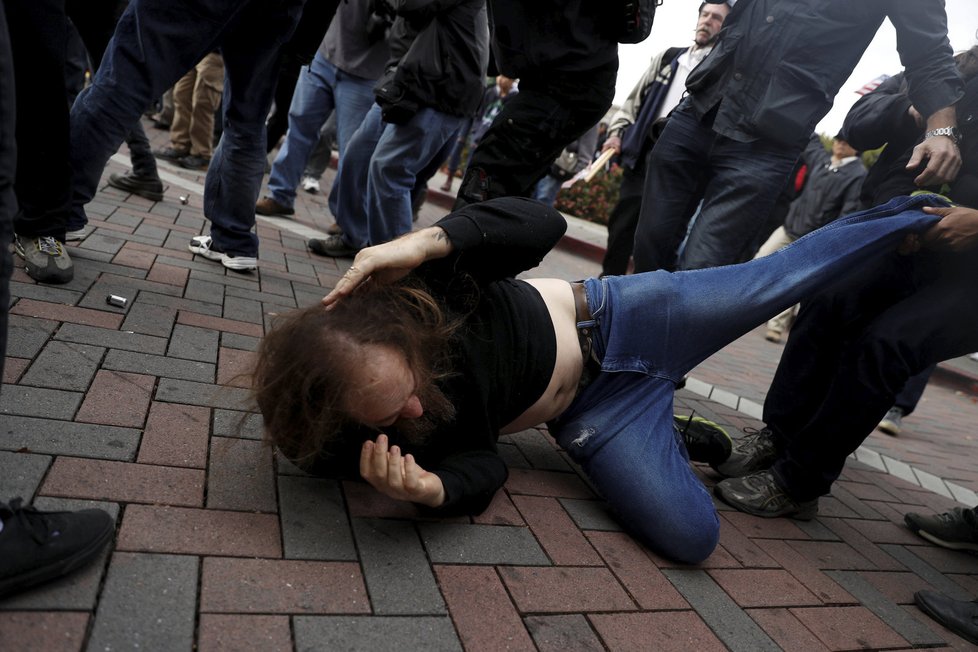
(547, 189)
(779, 324)
(347, 199)
(234, 177)
(8, 170)
(96, 20)
(623, 221)
(208, 87)
(932, 323)
(905, 402)
(312, 103)
(183, 114)
(910, 395)
(676, 173)
(38, 40)
(135, 71)
(549, 112)
(322, 153)
(746, 181)
(402, 152)
(354, 99)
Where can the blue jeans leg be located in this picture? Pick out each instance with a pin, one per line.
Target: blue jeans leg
(251, 54)
(650, 329)
(312, 103)
(547, 189)
(402, 153)
(620, 431)
(155, 43)
(354, 98)
(347, 199)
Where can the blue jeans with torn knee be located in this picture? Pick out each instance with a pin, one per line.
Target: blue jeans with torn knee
(648, 330)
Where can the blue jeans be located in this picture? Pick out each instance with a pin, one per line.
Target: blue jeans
(322, 87)
(650, 329)
(372, 189)
(155, 43)
(547, 189)
(739, 184)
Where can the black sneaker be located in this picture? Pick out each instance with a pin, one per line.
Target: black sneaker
(754, 451)
(957, 529)
(705, 441)
(39, 546)
(171, 154)
(45, 259)
(333, 246)
(959, 616)
(149, 187)
(761, 495)
(194, 162)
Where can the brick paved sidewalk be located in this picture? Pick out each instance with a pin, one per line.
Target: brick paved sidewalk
(224, 546)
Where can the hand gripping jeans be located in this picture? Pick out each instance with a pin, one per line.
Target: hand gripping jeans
(650, 329)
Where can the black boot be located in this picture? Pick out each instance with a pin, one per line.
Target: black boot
(148, 187)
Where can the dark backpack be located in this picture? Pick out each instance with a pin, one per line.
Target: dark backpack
(636, 20)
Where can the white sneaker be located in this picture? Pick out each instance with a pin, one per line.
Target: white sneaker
(78, 234)
(202, 245)
(310, 184)
(973, 356)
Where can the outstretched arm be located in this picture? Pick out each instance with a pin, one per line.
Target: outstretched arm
(489, 240)
(392, 260)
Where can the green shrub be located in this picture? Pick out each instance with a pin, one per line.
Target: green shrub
(592, 201)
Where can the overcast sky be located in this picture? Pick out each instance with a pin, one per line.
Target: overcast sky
(675, 20)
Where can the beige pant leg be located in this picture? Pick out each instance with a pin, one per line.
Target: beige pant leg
(206, 97)
(778, 240)
(183, 106)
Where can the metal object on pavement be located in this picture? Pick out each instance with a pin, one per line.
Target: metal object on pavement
(116, 300)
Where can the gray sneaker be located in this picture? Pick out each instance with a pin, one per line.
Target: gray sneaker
(754, 451)
(892, 423)
(761, 495)
(46, 259)
(333, 246)
(956, 529)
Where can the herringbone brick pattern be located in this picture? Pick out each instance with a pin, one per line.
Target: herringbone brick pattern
(223, 545)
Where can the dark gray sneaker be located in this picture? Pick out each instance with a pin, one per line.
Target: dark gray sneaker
(46, 259)
(957, 529)
(754, 451)
(333, 246)
(761, 495)
(959, 616)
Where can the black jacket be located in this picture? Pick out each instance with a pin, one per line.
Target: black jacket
(440, 52)
(880, 118)
(828, 194)
(778, 64)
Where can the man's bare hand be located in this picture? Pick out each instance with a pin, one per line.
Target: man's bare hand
(391, 261)
(957, 230)
(399, 476)
(943, 161)
(612, 142)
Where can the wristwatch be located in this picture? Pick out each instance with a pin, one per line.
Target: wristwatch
(951, 132)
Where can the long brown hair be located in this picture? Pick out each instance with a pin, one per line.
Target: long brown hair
(304, 364)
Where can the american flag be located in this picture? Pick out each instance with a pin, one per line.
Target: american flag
(871, 86)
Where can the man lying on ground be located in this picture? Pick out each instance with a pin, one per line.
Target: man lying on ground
(429, 348)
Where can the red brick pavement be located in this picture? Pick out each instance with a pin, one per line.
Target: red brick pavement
(228, 546)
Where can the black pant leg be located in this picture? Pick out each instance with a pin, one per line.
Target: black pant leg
(550, 111)
(38, 40)
(622, 223)
(8, 166)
